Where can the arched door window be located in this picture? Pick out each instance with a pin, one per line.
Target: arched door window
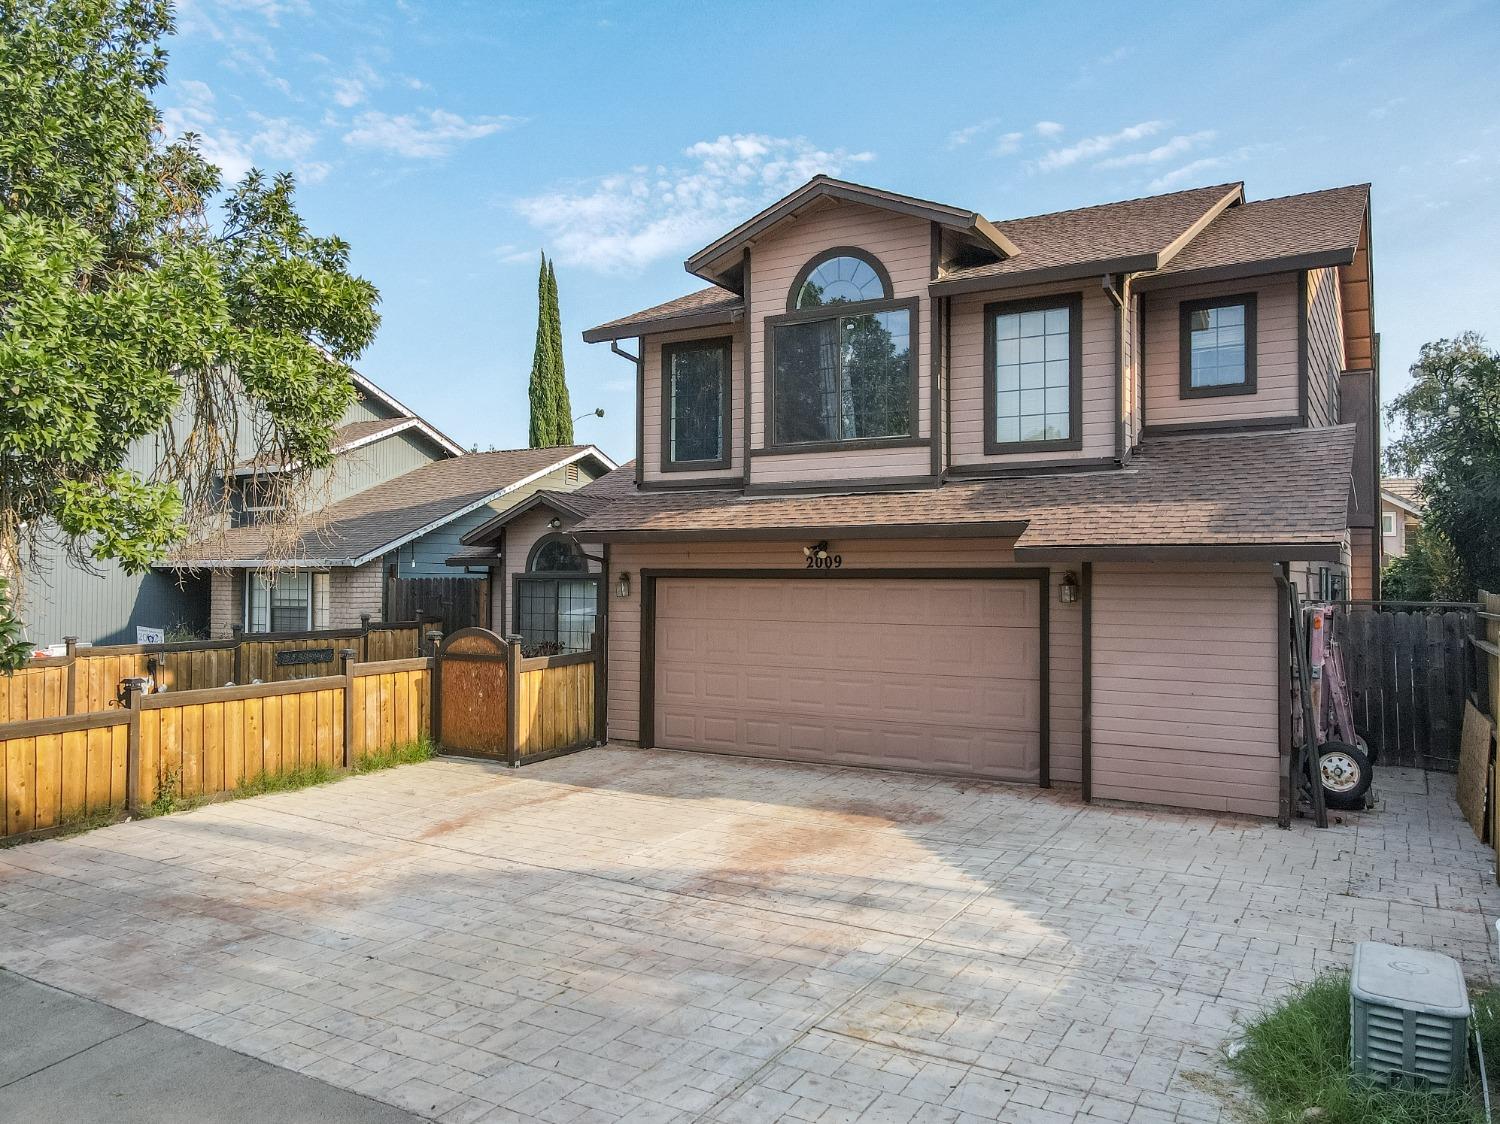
(556, 599)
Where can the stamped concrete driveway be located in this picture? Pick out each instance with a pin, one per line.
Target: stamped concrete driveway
(656, 936)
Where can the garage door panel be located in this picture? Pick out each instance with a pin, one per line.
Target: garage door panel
(941, 675)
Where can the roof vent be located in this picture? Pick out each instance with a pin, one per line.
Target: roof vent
(1409, 1016)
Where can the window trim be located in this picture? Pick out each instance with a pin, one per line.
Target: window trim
(544, 540)
(828, 255)
(1074, 441)
(1185, 310)
(1387, 523)
(912, 306)
(726, 405)
(247, 585)
(517, 580)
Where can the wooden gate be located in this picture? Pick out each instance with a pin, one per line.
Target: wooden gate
(1408, 675)
(474, 688)
(455, 602)
(492, 701)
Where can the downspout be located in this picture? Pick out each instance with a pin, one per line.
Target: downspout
(1117, 296)
(640, 405)
(1283, 694)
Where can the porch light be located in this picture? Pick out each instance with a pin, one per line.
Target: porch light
(817, 550)
(554, 523)
(1067, 591)
(622, 585)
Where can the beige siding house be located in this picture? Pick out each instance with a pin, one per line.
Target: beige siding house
(1400, 513)
(1014, 501)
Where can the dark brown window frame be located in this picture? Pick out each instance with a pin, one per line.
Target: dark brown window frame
(913, 307)
(726, 404)
(828, 255)
(1073, 302)
(1185, 310)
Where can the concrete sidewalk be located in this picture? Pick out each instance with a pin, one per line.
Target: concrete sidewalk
(73, 1060)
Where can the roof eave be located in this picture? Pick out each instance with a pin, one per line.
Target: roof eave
(996, 529)
(500, 519)
(1168, 552)
(1289, 263)
(1131, 263)
(633, 328)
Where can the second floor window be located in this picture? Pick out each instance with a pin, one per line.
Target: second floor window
(1033, 376)
(695, 392)
(1218, 346)
(842, 361)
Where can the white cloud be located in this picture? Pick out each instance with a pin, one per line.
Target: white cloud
(1008, 143)
(1047, 128)
(195, 113)
(1174, 147)
(348, 92)
(624, 221)
(435, 132)
(960, 137)
(1090, 147)
(1197, 169)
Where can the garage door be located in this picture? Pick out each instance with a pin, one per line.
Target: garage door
(939, 675)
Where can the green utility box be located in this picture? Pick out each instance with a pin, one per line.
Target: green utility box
(1408, 1015)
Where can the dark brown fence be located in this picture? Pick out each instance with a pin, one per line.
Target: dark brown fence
(454, 603)
(1408, 670)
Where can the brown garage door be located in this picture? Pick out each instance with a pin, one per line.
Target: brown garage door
(940, 675)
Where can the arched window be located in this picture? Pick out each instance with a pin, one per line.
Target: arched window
(555, 554)
(556, 598)
(843, 275)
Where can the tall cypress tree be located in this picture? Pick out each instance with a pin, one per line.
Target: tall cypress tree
(542, 431)
(562, 405)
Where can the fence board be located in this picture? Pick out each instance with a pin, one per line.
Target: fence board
(451, 602)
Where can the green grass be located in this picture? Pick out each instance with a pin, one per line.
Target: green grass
(168, 801)
(1296, 1058)
(75, 824)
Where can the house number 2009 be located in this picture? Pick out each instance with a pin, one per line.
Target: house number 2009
(825, 562)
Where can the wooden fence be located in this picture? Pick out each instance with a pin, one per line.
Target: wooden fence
(88, 679)
(1408, 675)
(453, 602)
(492, 701)
(206, 742)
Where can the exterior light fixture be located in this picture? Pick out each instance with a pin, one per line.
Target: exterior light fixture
(817, 550)
(622, 585)
(554, 523)
(1067, 591)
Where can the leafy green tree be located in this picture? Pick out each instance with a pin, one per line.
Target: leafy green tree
(1428, 571)
(138, 299)
(551, 410)
(1449, 434)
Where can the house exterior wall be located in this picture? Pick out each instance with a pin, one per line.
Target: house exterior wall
(1276, 394)
(903, 245)
(372, 464)
(351, 592)
(1065, 635)
(1325, 346)
(520, 536)
(1186, 683)
(968, 405)
(652, 419)
(1393, 545)
(102, 604)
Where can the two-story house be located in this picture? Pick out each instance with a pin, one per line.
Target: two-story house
(1006, 500)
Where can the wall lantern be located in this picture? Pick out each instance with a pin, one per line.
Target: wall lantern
(622, 585)
(554, 523)
(817, 550)
(1067, 591)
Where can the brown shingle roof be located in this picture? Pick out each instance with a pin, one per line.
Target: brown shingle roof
(1256, 491)
(370, 522)
(1407, 489)
(594, 496)
(710, 305)
(1132, 230)
(1317, 224)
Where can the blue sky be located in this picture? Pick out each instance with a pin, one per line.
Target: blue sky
(449, 142)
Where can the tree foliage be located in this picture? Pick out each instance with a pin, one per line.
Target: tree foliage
(1428, 571)
(1449, 434)
(140, 300)
(551, 408)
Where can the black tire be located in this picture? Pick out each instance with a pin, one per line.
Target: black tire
(1346, 775)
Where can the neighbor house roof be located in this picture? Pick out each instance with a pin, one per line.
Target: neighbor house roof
(1404, 492)
(1253, 495)
(479, 544)
(355, 435)
(367, 524)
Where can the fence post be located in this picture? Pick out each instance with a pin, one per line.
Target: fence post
(364, 636)
(600, 713)
(346, 657)
(512, 701)
(237, 634)
(70, 645)
(132, 702)
(434, 638)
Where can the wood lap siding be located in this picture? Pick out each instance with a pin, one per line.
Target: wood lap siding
(1276, 392)
(1185, 683)
(903, 246)
(652, 421)
(1325, 346)
(966, 376)
(1065, 638)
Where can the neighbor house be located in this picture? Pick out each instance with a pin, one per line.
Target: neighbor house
(1007, 500)
(1400, 513)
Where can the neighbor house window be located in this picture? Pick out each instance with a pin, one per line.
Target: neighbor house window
(1218, 346)
(286, 601)
(695, 404)
(556, 599)
(1033, 374)
(1387, 524)
(843, 359)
